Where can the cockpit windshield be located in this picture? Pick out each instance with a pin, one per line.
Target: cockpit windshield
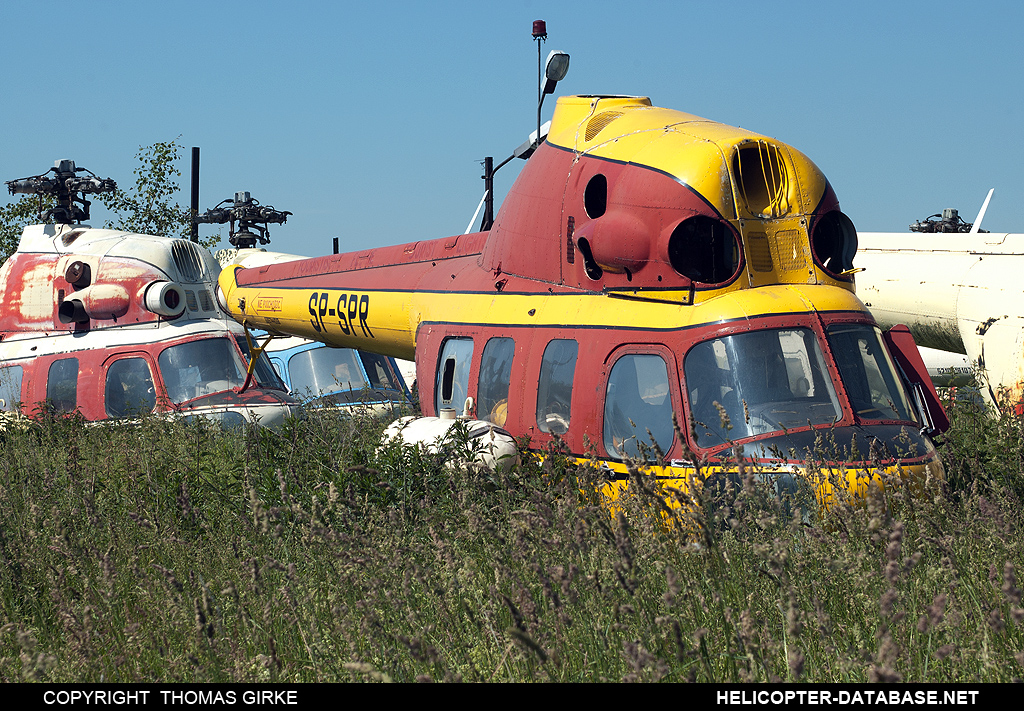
(198, 368)
(758, 382)
(324, 370)
(343, 375)
(867, 371)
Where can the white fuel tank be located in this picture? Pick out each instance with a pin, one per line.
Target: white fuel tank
(487, 444)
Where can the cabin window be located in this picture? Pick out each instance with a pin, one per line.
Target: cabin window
(62, 385)
(129, 389)
(758, 382)
(278, 367)
(10, 388)
(379, 372)
(638, 407)
(554, 390)
(453, 374)
(495, 377)
(198, 368)
(265, 375)
(704, 249)
(868, 373)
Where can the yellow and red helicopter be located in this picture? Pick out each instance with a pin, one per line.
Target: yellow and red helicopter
(646, 265)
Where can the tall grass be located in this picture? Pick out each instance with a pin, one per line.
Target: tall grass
(175, 551)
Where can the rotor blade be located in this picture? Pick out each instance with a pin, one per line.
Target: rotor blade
(469, 227)
(981, 215)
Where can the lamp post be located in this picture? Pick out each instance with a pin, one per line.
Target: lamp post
(552, 71)
(540, 33)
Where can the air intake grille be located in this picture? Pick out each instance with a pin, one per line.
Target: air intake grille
(599, 123)
(189, 261)
(760, 252)
(789, 244)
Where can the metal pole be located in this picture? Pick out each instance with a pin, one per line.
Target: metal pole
(194, 232)
(489, 194)
(540, 88)
(540, 33)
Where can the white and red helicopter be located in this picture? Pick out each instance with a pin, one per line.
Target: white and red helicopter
(112, 324)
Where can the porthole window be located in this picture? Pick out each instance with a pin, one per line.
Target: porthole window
(448, 380)
(704, 249)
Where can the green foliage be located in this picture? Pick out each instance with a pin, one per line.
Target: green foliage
(984, 449)
(163, 550)
(147, 208)
(13, 219)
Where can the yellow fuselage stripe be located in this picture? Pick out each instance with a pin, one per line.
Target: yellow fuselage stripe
(386, 322)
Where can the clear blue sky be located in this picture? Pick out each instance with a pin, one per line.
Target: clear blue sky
(368, 123)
